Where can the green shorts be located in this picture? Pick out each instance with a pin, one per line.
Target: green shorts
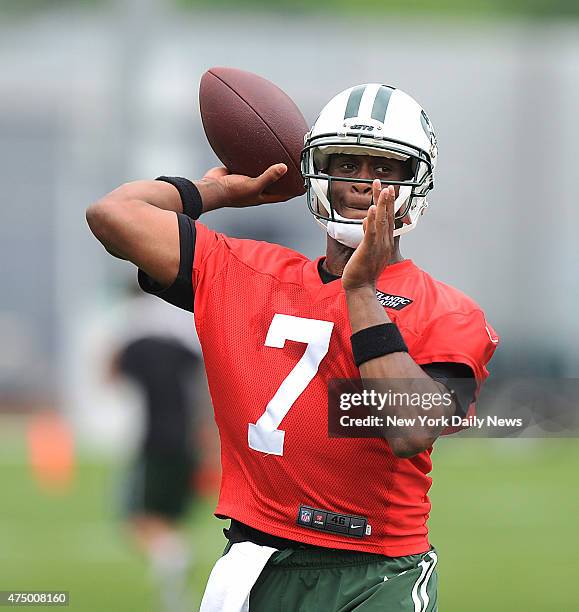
(161, 485)
(316, 580)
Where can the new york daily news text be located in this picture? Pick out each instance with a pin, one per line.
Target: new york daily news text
(517, 407)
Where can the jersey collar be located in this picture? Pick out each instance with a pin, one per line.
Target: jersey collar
(320, 290)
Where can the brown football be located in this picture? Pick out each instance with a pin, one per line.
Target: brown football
(251, 124)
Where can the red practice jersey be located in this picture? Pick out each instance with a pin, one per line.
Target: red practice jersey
(273, 336)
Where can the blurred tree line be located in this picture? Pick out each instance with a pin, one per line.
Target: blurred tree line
(444, 8)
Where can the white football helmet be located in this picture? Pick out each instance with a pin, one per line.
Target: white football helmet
(370, 119)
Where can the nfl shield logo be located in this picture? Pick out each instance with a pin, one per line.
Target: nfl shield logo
(306, 516)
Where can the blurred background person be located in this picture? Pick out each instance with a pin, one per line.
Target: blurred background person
(158, 355)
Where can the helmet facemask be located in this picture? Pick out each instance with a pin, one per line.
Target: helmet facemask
(411, 199)
(376, 120)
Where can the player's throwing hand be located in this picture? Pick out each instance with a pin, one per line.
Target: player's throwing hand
(377, 247)
(239, 191)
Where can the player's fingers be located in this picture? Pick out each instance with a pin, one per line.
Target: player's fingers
(385, 221)
(376, 191)
(385, 204)
(369, 223)
(390, 203)
(271, 175)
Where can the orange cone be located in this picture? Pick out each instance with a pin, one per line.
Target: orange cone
(51, 451)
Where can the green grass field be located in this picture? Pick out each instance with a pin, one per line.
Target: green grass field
(504, 524)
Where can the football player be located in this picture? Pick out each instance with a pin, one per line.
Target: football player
(317, 522)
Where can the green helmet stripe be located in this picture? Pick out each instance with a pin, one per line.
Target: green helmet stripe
(381, 103)
(353, 106)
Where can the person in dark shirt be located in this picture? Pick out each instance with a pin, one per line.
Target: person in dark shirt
(160, 487)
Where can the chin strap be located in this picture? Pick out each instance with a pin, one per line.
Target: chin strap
(346, 233)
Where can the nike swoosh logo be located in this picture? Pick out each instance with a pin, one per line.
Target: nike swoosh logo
(355, 526)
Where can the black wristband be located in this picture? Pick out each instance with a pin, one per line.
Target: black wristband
(376, 341)
(190, 196)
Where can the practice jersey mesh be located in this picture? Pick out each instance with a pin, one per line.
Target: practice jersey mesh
(241, 286)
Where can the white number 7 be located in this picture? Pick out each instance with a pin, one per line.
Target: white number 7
(264, 436)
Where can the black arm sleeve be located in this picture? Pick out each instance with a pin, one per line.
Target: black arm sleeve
(457, 378)
(180, 293)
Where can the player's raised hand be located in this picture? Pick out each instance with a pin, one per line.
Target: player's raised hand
(377, 247)
(221, 188)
